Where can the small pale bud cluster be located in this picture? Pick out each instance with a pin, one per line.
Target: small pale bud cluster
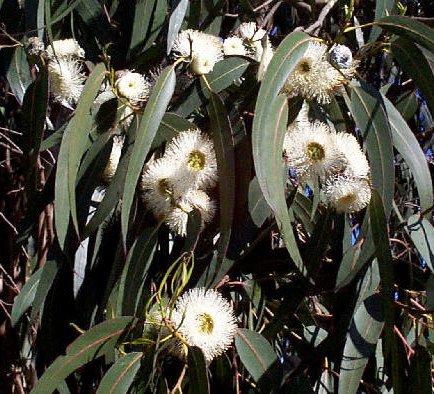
(174, 185)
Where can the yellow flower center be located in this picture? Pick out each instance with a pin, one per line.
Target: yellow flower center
(315, 151)
(305, 66)
(164, 187)
(346, 200)
(196, 160)
(206, 323)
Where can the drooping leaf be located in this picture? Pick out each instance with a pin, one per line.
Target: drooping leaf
(96, 342)
(258, 208)
(158, 22)
(119, 377)
(18, 74)
(368, 109)
(382, 8)
(114, 191)
(406, 143)
(416, 66)
(365, 329)
(170, 125)
(410, 29)
(224, 148)
(255, 352)
(269, 127)
(135, 271)
(80, 126)
(198, 373)
(223, 75)
(406, 104)
(422, 234)
(34, 113)
(384, 256)
(49, 271)
(154, 111)
(25, 298)
(142, 18)
(179, 8)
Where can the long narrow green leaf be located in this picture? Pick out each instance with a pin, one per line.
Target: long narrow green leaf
(382, 8)
(364, 332)
(406, 143)
(223, 75)
(142, 18)
(224, 147)
(175, 21)
(49, 271)
(96, 342)
(255, 352)
(269, 126)
(198, 373)
(25, 298)
(135, 271)
(368, 109)
(408, 28)
(119, 377)
(34, 114)
(416, 65)
(154, 111)
(18, 74)
(79, 135)
(384, 256)
(422, 234)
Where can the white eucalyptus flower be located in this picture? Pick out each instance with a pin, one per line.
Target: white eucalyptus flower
(252, 37)
(194, 151)
(66, 80)
(314, 78)
(177, 219)
(206, 320)
(234, 46)
(357, 165)
(160, 186)
(202, 50)
(310, 149)
(345, 194)
(133, 86)
(267, 55)
(115, 155)
(65, 49)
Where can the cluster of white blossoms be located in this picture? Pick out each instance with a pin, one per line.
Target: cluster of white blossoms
(206, 320)
(317, 78)
(313, 150)
(204, 50)
(65, 70)
(175, 184)
(200, 49)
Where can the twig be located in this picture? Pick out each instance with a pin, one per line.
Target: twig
(9, 223)
(322, 15)
(15, 287)
(180, 379)
(271, 13)
(404, 341)
(264, 4)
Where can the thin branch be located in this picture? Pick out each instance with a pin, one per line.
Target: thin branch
(319, 22)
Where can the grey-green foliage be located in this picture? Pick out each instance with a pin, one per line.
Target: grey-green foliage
(323, 301)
